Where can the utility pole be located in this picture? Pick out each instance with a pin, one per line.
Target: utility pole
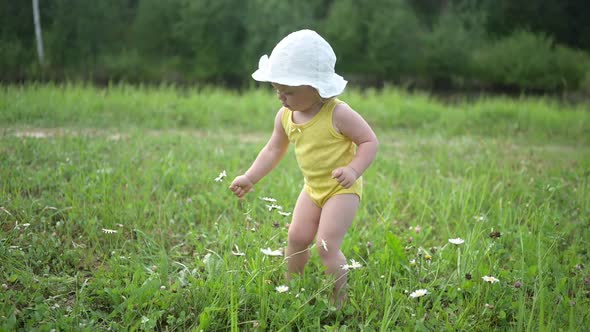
(37, 21)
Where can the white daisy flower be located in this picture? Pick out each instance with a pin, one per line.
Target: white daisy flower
(269, 252)
(324, 245)
(273, 206)
(221, 176)
(481, 217)
(422, 251)
(109, 231)
(268, 199)
(418, 293)
(490, 279)
(6, 211)
(237, 252)
(282, 289)
(286, 214)
(104, 171)
(413, 262)
(457, 241)
(206, 258)
(352, 266)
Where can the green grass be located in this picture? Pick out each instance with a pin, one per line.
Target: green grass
(510, 177)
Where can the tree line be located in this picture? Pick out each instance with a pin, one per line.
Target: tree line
(527, 45)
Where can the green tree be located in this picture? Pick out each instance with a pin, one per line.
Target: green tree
(565, 21)
(80, 31)
(345, 27)
(266, 22)
(395, 40)
(153, 28)
(213, 36)
(449, 44)
(17, 48)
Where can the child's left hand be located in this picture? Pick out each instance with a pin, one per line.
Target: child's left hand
(346, 176)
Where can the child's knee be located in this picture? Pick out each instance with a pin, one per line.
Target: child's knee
(324, 250)
(299, 239)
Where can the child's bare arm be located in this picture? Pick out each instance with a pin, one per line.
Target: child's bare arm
(267, 159)
(271, 154)
(352, 125)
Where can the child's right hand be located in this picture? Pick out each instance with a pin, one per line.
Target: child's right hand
(241, 185)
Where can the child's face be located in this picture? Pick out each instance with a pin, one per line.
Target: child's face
(297, 98)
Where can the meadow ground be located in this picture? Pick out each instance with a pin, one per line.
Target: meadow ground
(111, 217)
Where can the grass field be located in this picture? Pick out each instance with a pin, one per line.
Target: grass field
(111, 218)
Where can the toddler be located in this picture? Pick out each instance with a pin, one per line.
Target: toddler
(334, 145)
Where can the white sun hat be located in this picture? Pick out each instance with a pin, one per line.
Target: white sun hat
(302, 58)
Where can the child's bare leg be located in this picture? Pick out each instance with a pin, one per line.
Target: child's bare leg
(336, 218)
(304, 225)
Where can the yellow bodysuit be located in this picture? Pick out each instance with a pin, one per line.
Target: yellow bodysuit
(319, 150)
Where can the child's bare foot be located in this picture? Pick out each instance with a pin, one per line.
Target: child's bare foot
(338, 300)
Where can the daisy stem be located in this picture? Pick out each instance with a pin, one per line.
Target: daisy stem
(459, 263)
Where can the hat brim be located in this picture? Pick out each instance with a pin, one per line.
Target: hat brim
(330, 86)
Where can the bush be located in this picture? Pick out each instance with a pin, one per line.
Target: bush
(12, 53)
(530, 61)
(125, 66)
(448, 47)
